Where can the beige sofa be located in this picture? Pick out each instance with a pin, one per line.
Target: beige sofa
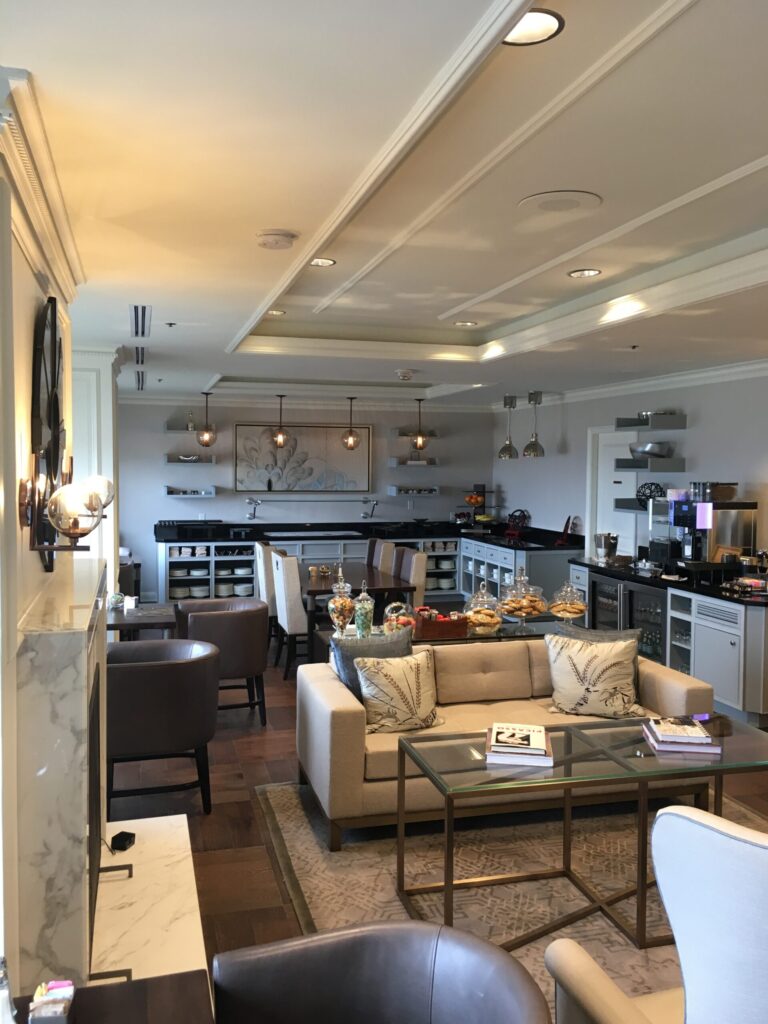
(353, 773)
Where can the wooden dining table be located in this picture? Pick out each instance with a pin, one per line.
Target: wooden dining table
(355, 573)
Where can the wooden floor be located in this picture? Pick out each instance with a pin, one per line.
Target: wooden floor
(242, 898)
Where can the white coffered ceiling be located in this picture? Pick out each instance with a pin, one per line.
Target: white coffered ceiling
(180, 131)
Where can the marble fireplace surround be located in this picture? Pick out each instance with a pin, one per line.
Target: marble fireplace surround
(62, 641)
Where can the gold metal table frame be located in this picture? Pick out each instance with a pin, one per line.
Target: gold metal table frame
(637, 931)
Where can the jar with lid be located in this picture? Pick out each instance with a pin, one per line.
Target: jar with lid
(522, 600)
(341, 607)
(397, 616)
(363, 613)
(567, 604)
(481, 609)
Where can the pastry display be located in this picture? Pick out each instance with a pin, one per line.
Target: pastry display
(482, 613)
(523, 606)
(568, 603)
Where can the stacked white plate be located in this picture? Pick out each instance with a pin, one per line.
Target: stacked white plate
(224, 590)
(199, 591)
(445, 563)
(177, 593)
(223, 572)
(445, 583)
(431, 563)
(243, 570)
(178, 572)
(244, 589)
(198, 572)
(431, 583)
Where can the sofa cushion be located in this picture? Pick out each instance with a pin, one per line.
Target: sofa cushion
(482, 671)
(377, 645)
(593, 678)
(538, 660)
(398, 693)
(381, 748)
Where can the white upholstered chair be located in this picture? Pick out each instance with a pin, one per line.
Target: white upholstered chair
(413, 568)
(713, 879)
(291, 613)
(264, 576)
(384, 556)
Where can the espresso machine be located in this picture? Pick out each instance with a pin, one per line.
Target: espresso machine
(700, 531)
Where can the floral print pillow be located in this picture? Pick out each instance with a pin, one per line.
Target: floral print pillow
(399, 694)
(593, 678)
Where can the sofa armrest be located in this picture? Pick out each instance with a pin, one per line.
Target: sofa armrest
(330, 739)
(584, 993)
(669, 692)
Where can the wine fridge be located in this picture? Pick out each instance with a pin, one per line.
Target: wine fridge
(621, 604)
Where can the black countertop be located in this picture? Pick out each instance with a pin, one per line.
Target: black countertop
(703, 589)
(532, 539)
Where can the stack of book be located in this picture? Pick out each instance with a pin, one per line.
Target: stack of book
(684, 735)
(512, 744)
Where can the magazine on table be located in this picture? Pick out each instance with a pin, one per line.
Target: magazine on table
(515, 756)
(709, 749)
(684, 729)
(509, 737)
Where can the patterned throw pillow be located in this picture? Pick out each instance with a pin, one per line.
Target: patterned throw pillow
(593, 678)
(399, 694)
(345, 650)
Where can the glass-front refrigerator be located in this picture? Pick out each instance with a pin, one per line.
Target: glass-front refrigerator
(604, 602)
(620, 604)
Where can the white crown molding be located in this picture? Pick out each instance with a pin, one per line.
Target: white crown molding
(562, 259)
(712, 282)
(345, 348)
(334, 404)
(667, 382)
(623, 50)
(488, 31)
(39, 220)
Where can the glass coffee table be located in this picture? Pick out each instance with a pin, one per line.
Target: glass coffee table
(592, 754)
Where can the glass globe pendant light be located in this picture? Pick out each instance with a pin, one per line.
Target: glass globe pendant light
(102, 486)
(280, 436)
(74, 511)
(508, 450)
(534, 449)
(206, 436)
(350, 439)
(419, 441)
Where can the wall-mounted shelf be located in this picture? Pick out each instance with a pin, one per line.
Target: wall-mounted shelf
(409, 432)
(180, 492)
(628, 505)
(651, 465)
(173, 459)
(656, 421)
(403, 460)
(411, 492)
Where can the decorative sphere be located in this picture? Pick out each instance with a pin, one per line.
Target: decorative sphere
(350, 439)
(102, 486)
(206, 437)
(74, 510)
(419, 442)
(280, 437)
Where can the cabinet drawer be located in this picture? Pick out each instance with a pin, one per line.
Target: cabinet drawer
(478, 550)
(504, 556)
(579, 576)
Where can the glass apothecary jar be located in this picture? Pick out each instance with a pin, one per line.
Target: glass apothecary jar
(522, 601)
(363, 613)
(341, 606)
(567, 603)
(398, 616)
(481, 609)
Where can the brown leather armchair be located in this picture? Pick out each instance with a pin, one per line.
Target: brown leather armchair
(161, 702)
(239, 627)
(380, 974)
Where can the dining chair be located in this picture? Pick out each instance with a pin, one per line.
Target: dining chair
(380, 973)
(384, 556)
(239, 627)
(413, 568)
(266, 582)
(161, 703)
(713, 880)
(291, 613)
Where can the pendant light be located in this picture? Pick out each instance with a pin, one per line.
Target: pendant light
(280, 436)
(508, 450)
(207, 435)
(419, 441)
(350, 438)
(534, 449)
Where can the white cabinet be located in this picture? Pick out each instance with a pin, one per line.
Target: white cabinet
(717, 648)
(497, 566)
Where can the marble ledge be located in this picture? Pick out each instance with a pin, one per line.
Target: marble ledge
(69, 597)
(151, 922)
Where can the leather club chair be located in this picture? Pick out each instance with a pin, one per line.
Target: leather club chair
(381, 974)
(239, 627)
(161, 703)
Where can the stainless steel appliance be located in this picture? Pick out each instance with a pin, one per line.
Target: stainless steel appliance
(704, 529)
(624, 604)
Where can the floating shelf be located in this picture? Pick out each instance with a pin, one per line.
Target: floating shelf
(411, 492)
(409, 432)
(178, 492)
(395, 460)
(651, 465)
(628, 505)
(656, 421)
(173, 459)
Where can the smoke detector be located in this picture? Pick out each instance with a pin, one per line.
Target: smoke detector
(405, 374)
(276, 238)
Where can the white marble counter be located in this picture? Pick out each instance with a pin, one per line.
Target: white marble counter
(65, 602)
(151, 922)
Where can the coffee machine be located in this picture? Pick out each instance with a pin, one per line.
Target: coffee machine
(701, 531)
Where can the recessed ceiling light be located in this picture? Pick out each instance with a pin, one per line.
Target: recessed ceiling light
(465, 323)
(584, 272)
(537, 26)
(478, 385)
(322, 261)
(275, 312)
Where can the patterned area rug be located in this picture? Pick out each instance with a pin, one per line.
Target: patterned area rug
(357, 884)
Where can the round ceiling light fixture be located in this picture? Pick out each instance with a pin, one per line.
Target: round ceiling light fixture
(537, 26)
(350, 439)
(275, 312)
(276, 238)
(585, 272)
(465, 323)
(561, 201)
(322, 261)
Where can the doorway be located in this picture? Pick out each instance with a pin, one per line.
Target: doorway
(605, 484)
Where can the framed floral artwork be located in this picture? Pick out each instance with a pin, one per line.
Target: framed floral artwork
(313, 459)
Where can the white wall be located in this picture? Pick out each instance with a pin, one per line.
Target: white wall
(726, 439)
(463, 450)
